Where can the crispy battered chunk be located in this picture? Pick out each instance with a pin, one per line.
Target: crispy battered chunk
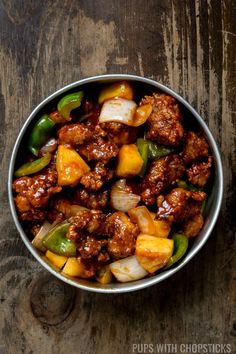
(91, 265)
(96, 130)
(92, 200)
(164, 124)
(122, 235)
(26, 212)
(195, 148)
(81, 220)
(91, 221)
(74, 235)
(99, 150)
(59, 209)
(120, 133)
(95, 179)
(96, 224)
(193, 226)
(179, 205)
(74, 134)
(33, 194)
(161, 174)
(90, 247)
(84, 228)
(199, 172)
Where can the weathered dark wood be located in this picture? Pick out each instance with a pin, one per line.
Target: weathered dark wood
(188, 45)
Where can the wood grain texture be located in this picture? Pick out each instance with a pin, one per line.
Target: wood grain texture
(188, 45)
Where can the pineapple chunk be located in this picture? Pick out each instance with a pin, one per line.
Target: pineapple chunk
(120, 89)
(141, 115)
(57, 260)
(162, 228)
(141, 216)
(130, 161)
(74, 267)
(153, 215)
(153, 252)
(104, 275)
(70, 166)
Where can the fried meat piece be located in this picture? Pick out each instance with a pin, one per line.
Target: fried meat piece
(90, 266)
(184, 207)
(195, 147)
(199, 172)
(161, 174)
(95, 179)
(90, 247)
(119, 133)
(91, 200)
(33, 193)
(180, 204)
(99, 150)
(91, 221)
(122, 235)
(192, 227)
(74, 134)
(84, 229)
(164, 124)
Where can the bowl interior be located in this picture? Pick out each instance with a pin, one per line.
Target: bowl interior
(142, 86)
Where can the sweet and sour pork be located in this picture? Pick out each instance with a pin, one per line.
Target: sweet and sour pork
(164, 124)
(33, 194)
(95, 232)
(161, 175)
(184, 207)
(101, 233)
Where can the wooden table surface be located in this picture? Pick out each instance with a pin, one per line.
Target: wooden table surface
(187, 45)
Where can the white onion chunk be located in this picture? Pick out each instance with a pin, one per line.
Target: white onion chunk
(118, 110)
(127, 269)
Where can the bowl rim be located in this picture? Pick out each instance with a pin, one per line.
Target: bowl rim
(130, 286)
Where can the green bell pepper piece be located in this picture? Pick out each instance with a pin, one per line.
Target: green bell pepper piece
(149, 150)
(32, 167)
(203, 207)
(40, 134)
(188, 186)
(56, 241)
(155, 151)
(180, 248)
(142, 146)
(69, 102)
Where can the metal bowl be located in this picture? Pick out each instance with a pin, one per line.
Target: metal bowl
(213, 202)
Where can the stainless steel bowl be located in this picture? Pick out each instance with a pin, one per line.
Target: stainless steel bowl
(213, 203)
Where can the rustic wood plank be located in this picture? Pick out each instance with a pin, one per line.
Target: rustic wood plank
(188, 45)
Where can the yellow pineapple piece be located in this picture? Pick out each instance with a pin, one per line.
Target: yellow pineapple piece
(153, 252)
(57, 260)
(74, 267)
(120, 89)
(70, 166)
(141, 115)
(130, 161)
